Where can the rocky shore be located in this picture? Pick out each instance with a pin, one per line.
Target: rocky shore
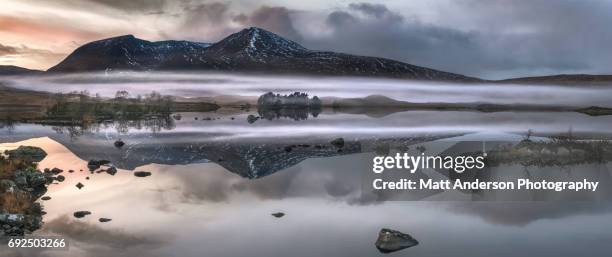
(21, 185)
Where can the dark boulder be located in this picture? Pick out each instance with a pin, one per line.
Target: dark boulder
(119, 143)
(81, 214)
(111, 171)
(142, 174)
(391, 240)
(278, 214)
(95, 164)
(31, 153)
(60, 178)
(252, 119)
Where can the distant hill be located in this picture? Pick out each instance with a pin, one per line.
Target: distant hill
(563, 79)
(250, 50)
(10, 97)
(6, 70)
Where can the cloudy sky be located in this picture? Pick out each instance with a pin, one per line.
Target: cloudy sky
(485, 38)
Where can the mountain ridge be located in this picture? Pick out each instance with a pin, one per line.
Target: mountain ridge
(260, 51)
(561, 79)
(8, 70)
(249, 50)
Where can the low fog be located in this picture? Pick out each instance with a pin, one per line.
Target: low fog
(213, 84)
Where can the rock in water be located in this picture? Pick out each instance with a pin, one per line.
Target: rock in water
(81, 214)
(390, 241)
(142, 174)
(119, 143)
(278, 214)
(95, 164)
(104, 220)
(60, 178)
(111, 171)
(252, 119)
(34, 154)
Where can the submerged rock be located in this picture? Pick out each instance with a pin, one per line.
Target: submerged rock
(338, 142)
(119, 143)
(142, 174)
(95, 164)
(104, 219)
(252, 119)
(111, 171)
(278, 214)
(81, 214)
(60, 178)
(391, 240)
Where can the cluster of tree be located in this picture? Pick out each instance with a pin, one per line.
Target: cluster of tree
(295, 100)
(81, 103)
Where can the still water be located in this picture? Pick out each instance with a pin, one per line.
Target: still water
(216, 181)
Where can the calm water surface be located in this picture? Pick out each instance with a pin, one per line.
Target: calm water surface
(216, 179)
(216, 182)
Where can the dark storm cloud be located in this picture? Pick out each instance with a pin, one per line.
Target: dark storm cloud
(340, 18)
(485, 38)
(376, 10)
(505, 38)
(212, 21)
(387, 34)
(275, 19)
(24, 51)
(7, 50)
(203, 22)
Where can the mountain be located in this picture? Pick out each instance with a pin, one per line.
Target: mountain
(7, 70)
(130, 53)
(563, 79)
(250, 50)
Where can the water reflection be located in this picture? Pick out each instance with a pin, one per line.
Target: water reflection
(216, 181)
(203, 208)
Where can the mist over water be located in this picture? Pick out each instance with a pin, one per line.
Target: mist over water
(216, 177)
(213, 84)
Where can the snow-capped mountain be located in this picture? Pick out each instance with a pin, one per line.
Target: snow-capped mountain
(129, 53)
(250, 50)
